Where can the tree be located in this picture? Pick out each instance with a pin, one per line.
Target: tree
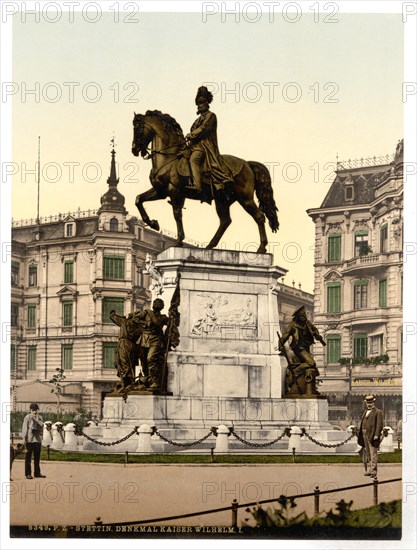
(57, 380)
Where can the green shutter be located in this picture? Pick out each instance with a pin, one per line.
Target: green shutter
(383, 293)
(114, 267)
(31, 316)
(67, 313)
(360, 345)
(68, 272)
(32, 358)
(334, 247)
(361, 232)
(12, 358)
(112, 303)
(67, 356)
(333, 298)
(109, 350)
(333, 348)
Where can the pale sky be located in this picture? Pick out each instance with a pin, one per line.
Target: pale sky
(160, 61)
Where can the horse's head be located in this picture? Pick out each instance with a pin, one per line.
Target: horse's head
(142, 135)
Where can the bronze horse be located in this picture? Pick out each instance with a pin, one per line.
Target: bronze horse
(168, 179)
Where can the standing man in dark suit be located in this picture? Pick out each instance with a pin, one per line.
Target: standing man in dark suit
(370, 432)
(32, 431)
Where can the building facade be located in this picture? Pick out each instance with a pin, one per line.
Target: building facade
(68, 272)
(358, 286)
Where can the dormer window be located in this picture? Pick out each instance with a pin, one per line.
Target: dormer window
(114, 224)
(349, 192)
(69, 230)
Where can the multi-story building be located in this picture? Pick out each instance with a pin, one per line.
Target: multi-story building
(358, 285)
(68, 272)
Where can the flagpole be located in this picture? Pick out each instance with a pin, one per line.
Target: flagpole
(39, 179)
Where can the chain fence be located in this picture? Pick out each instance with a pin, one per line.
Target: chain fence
(213, 431)
(327, 445)
(105, 443)
(286, 432)
(184, 445)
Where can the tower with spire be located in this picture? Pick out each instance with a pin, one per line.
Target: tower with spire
(112, 212)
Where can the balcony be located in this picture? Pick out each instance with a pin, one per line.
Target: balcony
(371, 262)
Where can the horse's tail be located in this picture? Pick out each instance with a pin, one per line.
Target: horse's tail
(265, 194)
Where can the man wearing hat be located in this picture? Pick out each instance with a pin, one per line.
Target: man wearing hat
(32, 430)
(369, 436)
(203, 145)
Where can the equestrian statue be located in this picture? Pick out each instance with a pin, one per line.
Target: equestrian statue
(191, 167)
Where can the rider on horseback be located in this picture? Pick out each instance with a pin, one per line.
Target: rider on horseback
(202, 142)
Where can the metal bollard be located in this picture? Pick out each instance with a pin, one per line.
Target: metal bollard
(126, 457)
(234, 514)
(375, 487)
(222, 439)
(316, 500)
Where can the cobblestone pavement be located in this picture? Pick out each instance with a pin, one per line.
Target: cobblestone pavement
(76, 493)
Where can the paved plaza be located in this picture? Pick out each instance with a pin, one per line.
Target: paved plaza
(76, 493)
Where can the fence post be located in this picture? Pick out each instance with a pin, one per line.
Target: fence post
(375, 492)
(316, 500)
(387, 443)
(222, 439)
(47, 433)
(234, 514)
(144, 443)
(57, 442)
(294, 443)
(71, 441)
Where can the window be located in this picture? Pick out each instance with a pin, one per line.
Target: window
(139, 277)
(360, 346)
(67, 308)
(383, 238)
(33, 275)
(361, 243)
(402, 289)
(333, 348)
(360, 295)
(31, 316)
(69, 229)
(14, 314)
(112, 303)
(383, 293)
(114, 224)
(333, 298)
(67, 356)
(15, 273)
(13, 365)
(69, 271)
(32, 358)
(349, 192)
(114, 267)
(334, 247)
(377, 344)
(109, 350)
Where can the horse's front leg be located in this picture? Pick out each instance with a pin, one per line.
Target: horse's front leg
(177, 206)
(149, 195)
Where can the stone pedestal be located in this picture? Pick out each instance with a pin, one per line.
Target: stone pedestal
(226, 370)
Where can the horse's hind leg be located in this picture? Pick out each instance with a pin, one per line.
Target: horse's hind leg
(149, 195)
(223, 211)
(251, 208)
